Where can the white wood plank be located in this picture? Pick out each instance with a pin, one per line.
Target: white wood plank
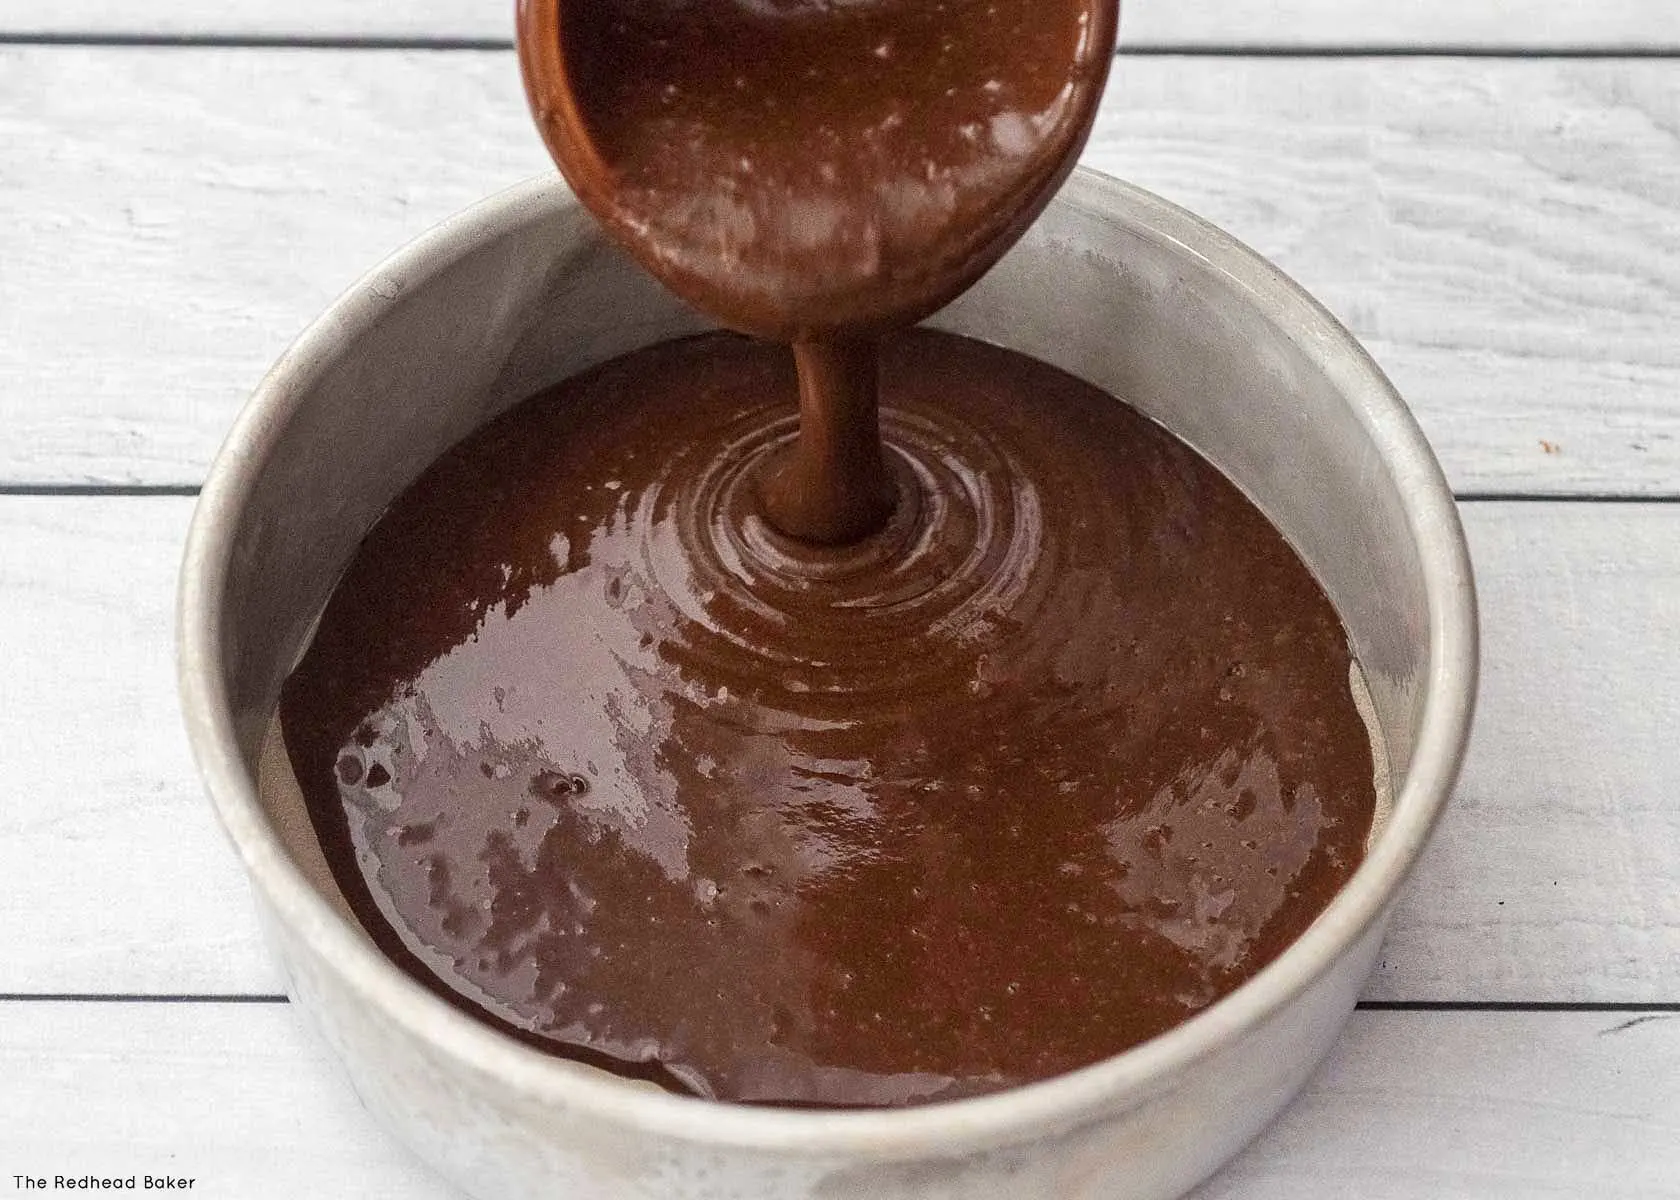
(1505, 234)
(114, 876)
(1478, 1106)
(1555, 874)
(169, 221)
(1553, 24)
(1410, 1106)
(240, 1098)
(445, 19)
(1551, 879)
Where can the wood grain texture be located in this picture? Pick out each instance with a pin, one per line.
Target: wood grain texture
(1501, 24)
(239, 1097)
(114, 876)
(1410, 1106)
(1555, 874)
(1504, 234)
(1552, 877)
(1478, 1106)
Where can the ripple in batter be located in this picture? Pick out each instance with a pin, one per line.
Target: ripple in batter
(1057, 759)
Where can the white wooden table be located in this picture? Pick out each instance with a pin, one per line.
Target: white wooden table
(1487, 191)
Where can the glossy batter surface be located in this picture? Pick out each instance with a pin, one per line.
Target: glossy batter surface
(1059, 757)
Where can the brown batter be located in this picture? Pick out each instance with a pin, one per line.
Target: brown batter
(1062, 755)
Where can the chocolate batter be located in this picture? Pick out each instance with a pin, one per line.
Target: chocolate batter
(1056, 759)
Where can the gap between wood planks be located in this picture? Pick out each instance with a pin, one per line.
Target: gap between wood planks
(1166, 50)
(1657, 1008)
(79, 490)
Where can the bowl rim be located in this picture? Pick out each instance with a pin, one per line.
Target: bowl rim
(1003, 1118)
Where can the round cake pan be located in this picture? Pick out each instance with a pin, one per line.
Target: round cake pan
(1112, 284)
